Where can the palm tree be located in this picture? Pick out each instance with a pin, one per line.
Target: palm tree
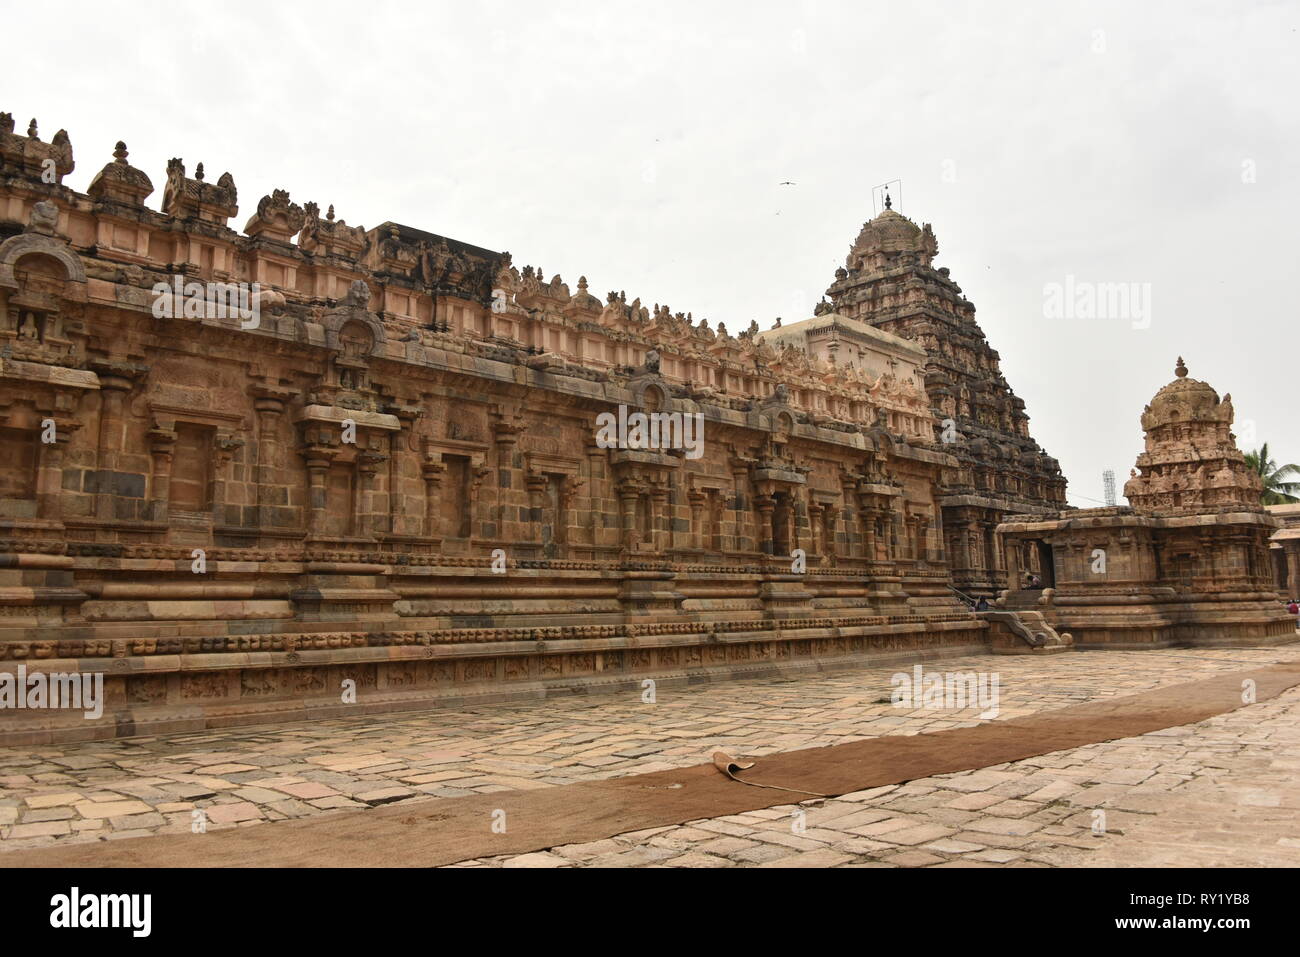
(1277, 489)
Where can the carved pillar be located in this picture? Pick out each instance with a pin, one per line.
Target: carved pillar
(851, 516)
(714, 540)
(536, 483)
(746, 538)
(398, 448)
(865, 517)
(697, 500)
(318, 459)
(112, 428)
(953, 543)
(478, 474)
(568, 491)
(49, 469)
(798, 520)
(939, 533)
(432, 470)
(999, 562)
(596, 488)
(368, 518)
(505, 431)
(766, 532)
(1012, 571)
(224, 447)
(628, 495)
(268, 407)
(817, 527)
(659, 518)
(1292, 553)
(162, 445)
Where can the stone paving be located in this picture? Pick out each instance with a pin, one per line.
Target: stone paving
(1231, 780)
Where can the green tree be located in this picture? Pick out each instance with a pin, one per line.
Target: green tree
(1278, 487)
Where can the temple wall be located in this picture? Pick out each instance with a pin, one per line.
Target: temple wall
(393, 475)
(1127, 581)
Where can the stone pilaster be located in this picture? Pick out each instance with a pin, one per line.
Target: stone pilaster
(162, 446)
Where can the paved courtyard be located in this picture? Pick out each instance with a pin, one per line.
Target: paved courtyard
(1221, 792)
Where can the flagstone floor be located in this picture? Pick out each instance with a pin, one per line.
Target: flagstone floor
(1224, 791)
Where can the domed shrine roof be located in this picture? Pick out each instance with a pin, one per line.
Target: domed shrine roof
(1191, 463)
(889, 234)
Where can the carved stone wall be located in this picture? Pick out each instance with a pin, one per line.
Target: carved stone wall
(237, 470)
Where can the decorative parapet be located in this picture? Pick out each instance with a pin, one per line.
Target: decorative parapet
(276, 217)
(120, 182)
(28, 156)
(502, 312)
(196, 199)
(330, 237)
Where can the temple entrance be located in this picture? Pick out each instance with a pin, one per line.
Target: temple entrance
(1046, 565)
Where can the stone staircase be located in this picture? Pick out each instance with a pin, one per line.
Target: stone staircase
(1024, 632)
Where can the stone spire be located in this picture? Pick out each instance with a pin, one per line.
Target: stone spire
(889, 281)
(1191, 463)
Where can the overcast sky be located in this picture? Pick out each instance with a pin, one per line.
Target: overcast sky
(644, 146)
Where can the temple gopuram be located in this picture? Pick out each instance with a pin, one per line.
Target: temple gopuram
(889, 285)
(244, 470)
(1186, 562)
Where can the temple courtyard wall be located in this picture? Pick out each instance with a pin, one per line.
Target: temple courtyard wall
(378, 477)
(312, 469)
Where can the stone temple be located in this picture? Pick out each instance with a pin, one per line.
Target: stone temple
(889, 290)
(240, 471)
(1187, 562)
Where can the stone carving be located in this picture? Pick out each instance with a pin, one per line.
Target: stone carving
(358, 296)
(276, 217)
(44, 219)
(120, 182)
(329, 236)
(186, 198)
(29, 157)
